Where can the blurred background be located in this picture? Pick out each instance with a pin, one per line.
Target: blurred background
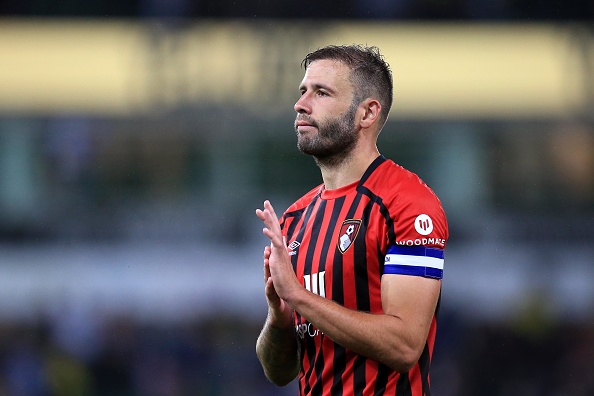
(138, 137)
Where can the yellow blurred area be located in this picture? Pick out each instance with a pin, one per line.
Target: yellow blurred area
(68, 66)
(440, 70)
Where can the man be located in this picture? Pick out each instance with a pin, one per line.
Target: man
(353, 272)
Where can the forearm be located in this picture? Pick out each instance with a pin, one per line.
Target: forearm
(278, 353)
(380, 337)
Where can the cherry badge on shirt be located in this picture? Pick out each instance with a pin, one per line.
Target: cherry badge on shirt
(348, 233)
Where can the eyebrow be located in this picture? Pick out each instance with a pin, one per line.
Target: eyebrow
(317, 87)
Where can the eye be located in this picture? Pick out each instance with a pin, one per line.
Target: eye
(322, 93)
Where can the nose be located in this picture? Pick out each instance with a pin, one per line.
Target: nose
(302, 105)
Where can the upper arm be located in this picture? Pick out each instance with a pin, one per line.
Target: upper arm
(410, 289)
(412, 300)
(414, 258)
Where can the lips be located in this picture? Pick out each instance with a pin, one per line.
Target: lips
(304, 122)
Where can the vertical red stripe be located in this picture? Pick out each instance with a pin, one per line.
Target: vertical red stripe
(416, 384)
(347, 375)
(328, 373)
(391, 386)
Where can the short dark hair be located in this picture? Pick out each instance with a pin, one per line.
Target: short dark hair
(370, 73)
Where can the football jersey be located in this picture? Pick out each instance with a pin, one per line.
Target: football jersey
(341, 242)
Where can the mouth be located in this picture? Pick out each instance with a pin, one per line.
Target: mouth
(303, 125)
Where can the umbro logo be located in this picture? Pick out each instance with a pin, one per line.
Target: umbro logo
(292, 248)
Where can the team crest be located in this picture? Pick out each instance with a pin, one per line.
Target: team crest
(348, 233)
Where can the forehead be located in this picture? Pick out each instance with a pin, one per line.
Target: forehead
(330, 73)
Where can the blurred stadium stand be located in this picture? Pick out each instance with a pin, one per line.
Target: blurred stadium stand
(134, 151)
(292, 9)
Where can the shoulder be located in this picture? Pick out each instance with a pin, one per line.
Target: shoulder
(413, 207)
(399, 186)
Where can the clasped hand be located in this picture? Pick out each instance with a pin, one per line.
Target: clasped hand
(281, 283)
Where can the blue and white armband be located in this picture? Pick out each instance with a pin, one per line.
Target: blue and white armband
(414, 260)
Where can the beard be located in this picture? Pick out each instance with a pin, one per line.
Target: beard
(335, 140)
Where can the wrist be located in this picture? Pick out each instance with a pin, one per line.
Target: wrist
(280, 320)
(298, 298)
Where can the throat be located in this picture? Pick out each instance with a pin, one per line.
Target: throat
(338, 175)
(332, 163)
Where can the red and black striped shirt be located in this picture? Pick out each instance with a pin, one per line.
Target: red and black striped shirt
(341, 242)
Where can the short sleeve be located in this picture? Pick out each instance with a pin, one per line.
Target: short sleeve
(421, 233)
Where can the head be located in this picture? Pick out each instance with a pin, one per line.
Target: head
(342, 85)
(370, 74)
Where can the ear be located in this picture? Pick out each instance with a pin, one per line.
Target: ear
(371, 111)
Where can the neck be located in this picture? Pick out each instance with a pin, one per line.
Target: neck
(347, 170)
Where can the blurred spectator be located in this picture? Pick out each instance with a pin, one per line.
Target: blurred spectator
(571, 149)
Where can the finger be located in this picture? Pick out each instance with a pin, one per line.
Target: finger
(266, 217)
(260, 214)
(269, 221)
(267, 212)
(268, 205)
(266, 263)
(273, 217)
(276, 241)
(272, 229)
(270, 292)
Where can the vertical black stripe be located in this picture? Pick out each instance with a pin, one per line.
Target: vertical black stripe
(424, 365)
(361, 291)
(359, 380)
(327, 243)
(381, 259)
(389, 222)
(339, 367)
(375, 200)
(301, 231)
(377, 162)
(318, 367)
(381, 379)
(403, 385)
(339, 360)
(313, 354)
(361, 270)
(312, 357)
(296, 216)
(383, 371)
(315, 233)
(338, 296)
(338, 280)
(383, 210)
(308, 348)
(316, 356)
